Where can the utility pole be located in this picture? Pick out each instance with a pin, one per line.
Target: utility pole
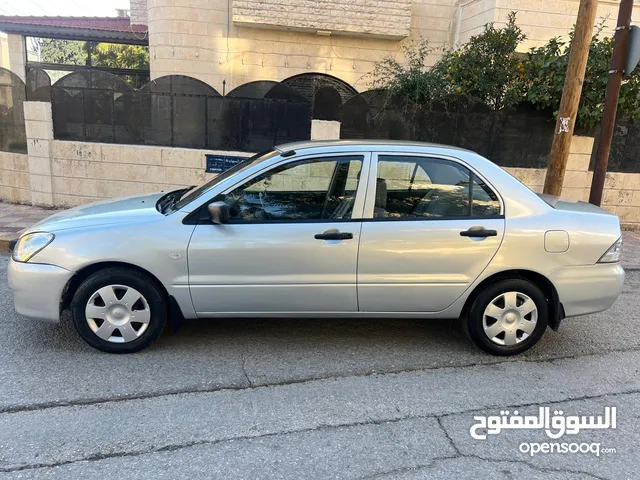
(618, 60)
(570, 97)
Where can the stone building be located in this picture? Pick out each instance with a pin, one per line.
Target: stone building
(238, 41)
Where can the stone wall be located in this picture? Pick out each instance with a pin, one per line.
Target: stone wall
(15, 186)
(472, 15)
(4, 52)
(85, 172)
(17, 55)
(39, 128)
(138, 12)
(372, 17)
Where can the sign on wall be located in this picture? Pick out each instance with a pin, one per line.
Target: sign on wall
(221, 163)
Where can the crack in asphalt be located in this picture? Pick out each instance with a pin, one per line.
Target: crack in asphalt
(434, 461)
(458, 454)
(252, 385)
(244, 367)
(321, 427)
(446, 434)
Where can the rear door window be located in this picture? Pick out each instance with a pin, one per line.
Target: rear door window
(411, 187)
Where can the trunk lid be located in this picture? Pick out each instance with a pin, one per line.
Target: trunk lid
(572, 206)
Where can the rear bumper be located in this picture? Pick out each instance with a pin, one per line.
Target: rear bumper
(37, 289)
(588, 288)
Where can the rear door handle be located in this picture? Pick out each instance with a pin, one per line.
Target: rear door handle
(478, 233)
(333, 236)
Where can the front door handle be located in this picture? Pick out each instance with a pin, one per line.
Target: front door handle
(475, 232)
(333, 236)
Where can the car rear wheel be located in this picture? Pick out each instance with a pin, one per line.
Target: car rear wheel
(508, 317)
(119, 310)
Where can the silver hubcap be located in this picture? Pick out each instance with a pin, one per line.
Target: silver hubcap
(510, 318)
(117, 313)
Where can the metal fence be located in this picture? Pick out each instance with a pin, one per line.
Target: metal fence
(13, 137)
(517, 137)
(625, 147)
(180, 111)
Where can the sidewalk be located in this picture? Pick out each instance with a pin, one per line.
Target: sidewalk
(15, 218)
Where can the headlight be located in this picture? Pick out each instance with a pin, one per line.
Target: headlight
(613, 254)
(30, 244)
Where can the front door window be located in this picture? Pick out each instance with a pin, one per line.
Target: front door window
(307, 190)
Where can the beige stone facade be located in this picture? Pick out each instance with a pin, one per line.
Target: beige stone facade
(244, 40)
(238, 41)
(544, 19)
(200, 38)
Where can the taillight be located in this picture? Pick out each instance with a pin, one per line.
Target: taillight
(613, 254)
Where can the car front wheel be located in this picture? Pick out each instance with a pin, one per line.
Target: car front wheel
(508, 317)
(118, 310)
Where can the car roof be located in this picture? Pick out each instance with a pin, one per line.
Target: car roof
(361, 144)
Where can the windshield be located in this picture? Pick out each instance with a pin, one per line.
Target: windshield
(190, 195)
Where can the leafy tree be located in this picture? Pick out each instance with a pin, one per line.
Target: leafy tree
(486, 68)
(73, 52)
(119, 55)
(54, 50)
(545, 70)
(411, 80)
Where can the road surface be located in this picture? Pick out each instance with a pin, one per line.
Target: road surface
(313, 399)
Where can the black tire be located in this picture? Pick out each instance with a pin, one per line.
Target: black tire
(148, 287)
(473, 322)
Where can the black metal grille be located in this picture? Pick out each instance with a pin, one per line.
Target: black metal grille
(38, 86)
(326, 93)
(13, 137)
(178, 111)
(518, 137)
(625, 147)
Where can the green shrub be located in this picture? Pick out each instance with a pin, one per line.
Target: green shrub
(488, 69)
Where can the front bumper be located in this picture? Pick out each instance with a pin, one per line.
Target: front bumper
(588, 288)
(37, 289)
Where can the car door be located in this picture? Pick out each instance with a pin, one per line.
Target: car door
(430, 227)
(291, 244)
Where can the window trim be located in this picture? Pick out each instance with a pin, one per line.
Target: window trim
(196, 217)
(373, 175)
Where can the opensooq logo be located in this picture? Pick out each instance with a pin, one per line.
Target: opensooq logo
(555, 426)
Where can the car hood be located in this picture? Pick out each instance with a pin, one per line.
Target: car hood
(116, 211)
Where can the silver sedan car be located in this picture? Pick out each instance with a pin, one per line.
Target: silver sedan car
(326, 229)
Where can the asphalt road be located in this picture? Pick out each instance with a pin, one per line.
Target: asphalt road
(312, 399)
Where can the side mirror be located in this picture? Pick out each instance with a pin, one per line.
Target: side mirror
(219, 212)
